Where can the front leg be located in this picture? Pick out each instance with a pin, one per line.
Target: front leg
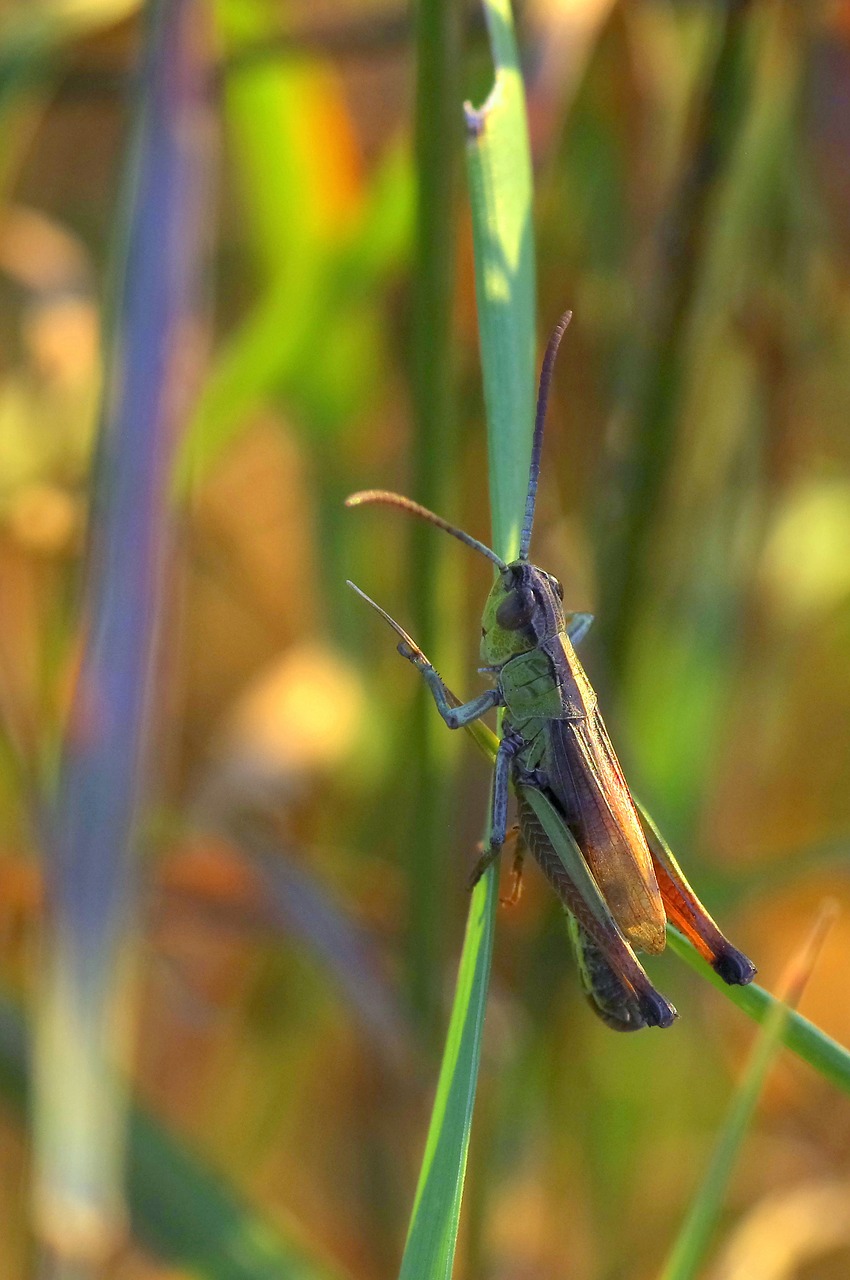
(455, 714)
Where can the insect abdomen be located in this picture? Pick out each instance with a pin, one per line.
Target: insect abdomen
(606, 993)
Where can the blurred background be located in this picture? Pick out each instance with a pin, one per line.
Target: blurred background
(305, 836)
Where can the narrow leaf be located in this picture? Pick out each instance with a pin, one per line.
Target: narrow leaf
(92, 831)
(499, 168)
(432, 1236)
(829, 1058)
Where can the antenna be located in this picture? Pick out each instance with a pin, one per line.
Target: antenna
(381, 497)
(539, 420)
(396, 626)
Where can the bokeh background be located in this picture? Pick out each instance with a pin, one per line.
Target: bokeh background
(308, 828)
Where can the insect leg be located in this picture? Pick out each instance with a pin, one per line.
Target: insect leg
(455, 716)
(508, 748)
(513, 838)
(454, 712)
(515, 892)
(608, 996)
(687, 913)
(578, 625)
(562, 863)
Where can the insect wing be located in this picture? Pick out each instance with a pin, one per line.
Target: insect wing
(587, 783)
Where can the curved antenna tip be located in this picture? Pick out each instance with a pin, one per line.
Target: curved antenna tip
(383, 497)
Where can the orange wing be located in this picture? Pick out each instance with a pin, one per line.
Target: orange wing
(587, 784)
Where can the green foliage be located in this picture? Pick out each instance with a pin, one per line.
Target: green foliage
(432, 1237)
(499, 168)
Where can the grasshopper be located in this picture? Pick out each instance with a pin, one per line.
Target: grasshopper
(612, 872)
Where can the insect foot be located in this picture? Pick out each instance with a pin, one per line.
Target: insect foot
(488, 856)
(733, 967)
(657, 1012)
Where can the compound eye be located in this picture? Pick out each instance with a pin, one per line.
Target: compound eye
(516, 610)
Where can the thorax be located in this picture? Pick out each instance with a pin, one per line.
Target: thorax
(547, 683)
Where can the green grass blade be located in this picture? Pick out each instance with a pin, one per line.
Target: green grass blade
(659, 369)
(429, 1251)
(188, 1214)
(692, 1243)
(261, 113)
(93, 822)
(827, 1056)
(691, 1246)
(316, 278)
(499, 169)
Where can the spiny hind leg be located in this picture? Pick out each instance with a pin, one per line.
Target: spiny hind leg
(515, 891)
(566, 870)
